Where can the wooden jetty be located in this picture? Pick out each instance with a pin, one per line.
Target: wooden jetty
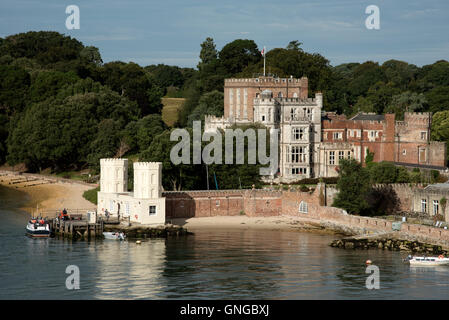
(75, 229)
(76, 225)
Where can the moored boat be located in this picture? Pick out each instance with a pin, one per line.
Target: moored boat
(38, 228)
(428, 261)
(114, 235)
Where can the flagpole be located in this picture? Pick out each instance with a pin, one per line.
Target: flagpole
(264, 53)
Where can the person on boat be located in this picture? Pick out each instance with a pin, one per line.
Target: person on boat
(106, 213)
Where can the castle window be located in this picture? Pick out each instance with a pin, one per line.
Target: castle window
(217, 203)
(127, 208)
(152, 210)
(349, 154)
(435, 207)
(303, 207)
(298, 133)
(341, 155)
(299, 170)
(423, 135)
(263, 118)
(404, 152)
(337, 136)
(111, 205)
(295, 154)
(280, 95)
(331, 157)
(423, 205)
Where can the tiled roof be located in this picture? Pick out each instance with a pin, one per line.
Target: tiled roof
(368, 116)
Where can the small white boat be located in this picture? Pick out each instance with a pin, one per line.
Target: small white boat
(38, 228)
(428, 261)
(114, 235)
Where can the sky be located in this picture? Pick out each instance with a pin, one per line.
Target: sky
(171, 31)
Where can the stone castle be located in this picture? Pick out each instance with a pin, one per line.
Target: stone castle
(145, 205)
(313, 142)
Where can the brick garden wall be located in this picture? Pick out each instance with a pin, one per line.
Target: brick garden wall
(264, 203)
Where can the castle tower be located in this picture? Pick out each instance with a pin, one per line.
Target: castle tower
(147, 180)
(113, 175)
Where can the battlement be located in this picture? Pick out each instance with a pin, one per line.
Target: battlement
(113, 161)
(147, 165)
(268, 80)
(289, 101)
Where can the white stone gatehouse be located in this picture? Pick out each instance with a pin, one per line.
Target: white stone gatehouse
(145, 205)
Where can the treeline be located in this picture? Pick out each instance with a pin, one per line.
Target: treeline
(62, 108)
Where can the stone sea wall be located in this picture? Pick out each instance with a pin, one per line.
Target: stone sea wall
(307, 205)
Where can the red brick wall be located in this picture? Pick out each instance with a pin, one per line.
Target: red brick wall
(256, 203)
(298, 86)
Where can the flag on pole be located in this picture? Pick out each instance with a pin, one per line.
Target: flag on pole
(263, 55)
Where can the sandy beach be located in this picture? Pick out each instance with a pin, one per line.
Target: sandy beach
(48, 193)
(284, 223)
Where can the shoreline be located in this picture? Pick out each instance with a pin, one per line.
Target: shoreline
(275, 223)
(47, 193)
(54, 194)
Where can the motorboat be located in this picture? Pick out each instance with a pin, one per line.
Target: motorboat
(427, 261)
(114, 235)
(38, 228)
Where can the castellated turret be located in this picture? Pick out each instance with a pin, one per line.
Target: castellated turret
(114, 175)
(319, 99)
(147, 180)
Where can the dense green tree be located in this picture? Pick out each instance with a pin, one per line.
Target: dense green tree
(147, 128)
(208, 53)
(238, 54)
(382, 172)
(438, 99)
(45, 47)
(382, 201)
(58, 132)
(353, 186)
(105, 144)
(174, 177)
(406, 102)
(440, 126)
(364, 76)
(131, 80)
(211, 103)
(433, 75)
(47, 84)
(91, 54)
(399, 73)
(14, 89)
(166, 76)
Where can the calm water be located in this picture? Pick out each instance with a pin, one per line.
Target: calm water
(210, 265)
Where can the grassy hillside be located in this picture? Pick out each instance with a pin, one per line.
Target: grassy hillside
(171, 109)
